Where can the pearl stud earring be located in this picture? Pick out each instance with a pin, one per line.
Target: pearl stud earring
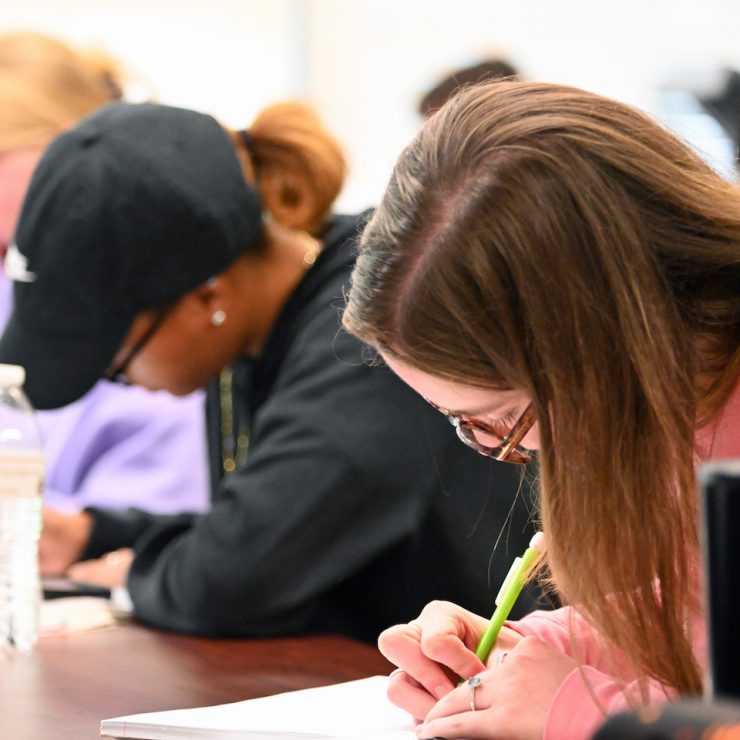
(218, 317)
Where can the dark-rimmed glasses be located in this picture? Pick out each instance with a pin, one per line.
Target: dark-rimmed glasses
(508, 449)
(117, 374)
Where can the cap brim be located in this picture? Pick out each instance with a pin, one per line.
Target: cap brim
(59, 370)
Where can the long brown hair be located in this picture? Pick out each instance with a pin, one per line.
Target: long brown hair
(543, 238)
(47, 86)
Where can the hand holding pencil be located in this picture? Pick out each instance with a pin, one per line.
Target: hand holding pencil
(505, 698)
(509, 593)
(439, 647)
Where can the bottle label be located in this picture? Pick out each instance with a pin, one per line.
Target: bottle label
(21, 473)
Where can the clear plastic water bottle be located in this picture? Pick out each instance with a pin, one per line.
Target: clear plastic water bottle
(21, 479)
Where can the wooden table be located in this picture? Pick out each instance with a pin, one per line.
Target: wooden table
(70, 683)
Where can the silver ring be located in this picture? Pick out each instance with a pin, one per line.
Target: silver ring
(474, 682)
(500, 658)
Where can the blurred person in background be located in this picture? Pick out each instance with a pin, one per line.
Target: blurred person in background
(723, 103)
(488, 69)
(117, 446)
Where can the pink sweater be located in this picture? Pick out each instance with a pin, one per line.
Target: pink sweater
(573, 713)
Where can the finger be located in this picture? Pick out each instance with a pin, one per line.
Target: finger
(401, 645)
(109, 571)
(409, 694)
(444, 616)
(468, 725)
(463, 699)
(449, 637)
(119, 558)
(88, 570)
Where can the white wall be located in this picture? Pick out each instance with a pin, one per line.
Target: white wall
(369, 76)
(226, 57)
(365, 64)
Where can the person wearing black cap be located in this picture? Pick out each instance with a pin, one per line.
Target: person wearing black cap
(156, 246)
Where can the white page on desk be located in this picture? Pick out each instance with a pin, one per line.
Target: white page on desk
(74, 614)
(356, 709)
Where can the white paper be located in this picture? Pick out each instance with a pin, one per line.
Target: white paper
(356, 710)
(74, 614)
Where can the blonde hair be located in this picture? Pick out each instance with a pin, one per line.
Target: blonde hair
(297, 165)
(544, 238)
(47, 86)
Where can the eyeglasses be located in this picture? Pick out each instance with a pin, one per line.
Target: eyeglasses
(508, 449)
(117, 374)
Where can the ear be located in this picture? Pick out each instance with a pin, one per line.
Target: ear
(208, 299)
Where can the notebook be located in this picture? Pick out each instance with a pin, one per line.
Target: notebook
(356, 710)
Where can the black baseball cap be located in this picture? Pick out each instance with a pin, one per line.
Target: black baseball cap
(129, 210)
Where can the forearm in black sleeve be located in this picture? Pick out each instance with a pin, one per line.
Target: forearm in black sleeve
(112, 529)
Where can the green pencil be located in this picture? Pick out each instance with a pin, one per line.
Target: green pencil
(507, 596)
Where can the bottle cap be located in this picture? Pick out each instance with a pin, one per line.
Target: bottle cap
(11, 375)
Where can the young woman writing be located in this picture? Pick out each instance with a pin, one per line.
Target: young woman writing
(554, 271)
